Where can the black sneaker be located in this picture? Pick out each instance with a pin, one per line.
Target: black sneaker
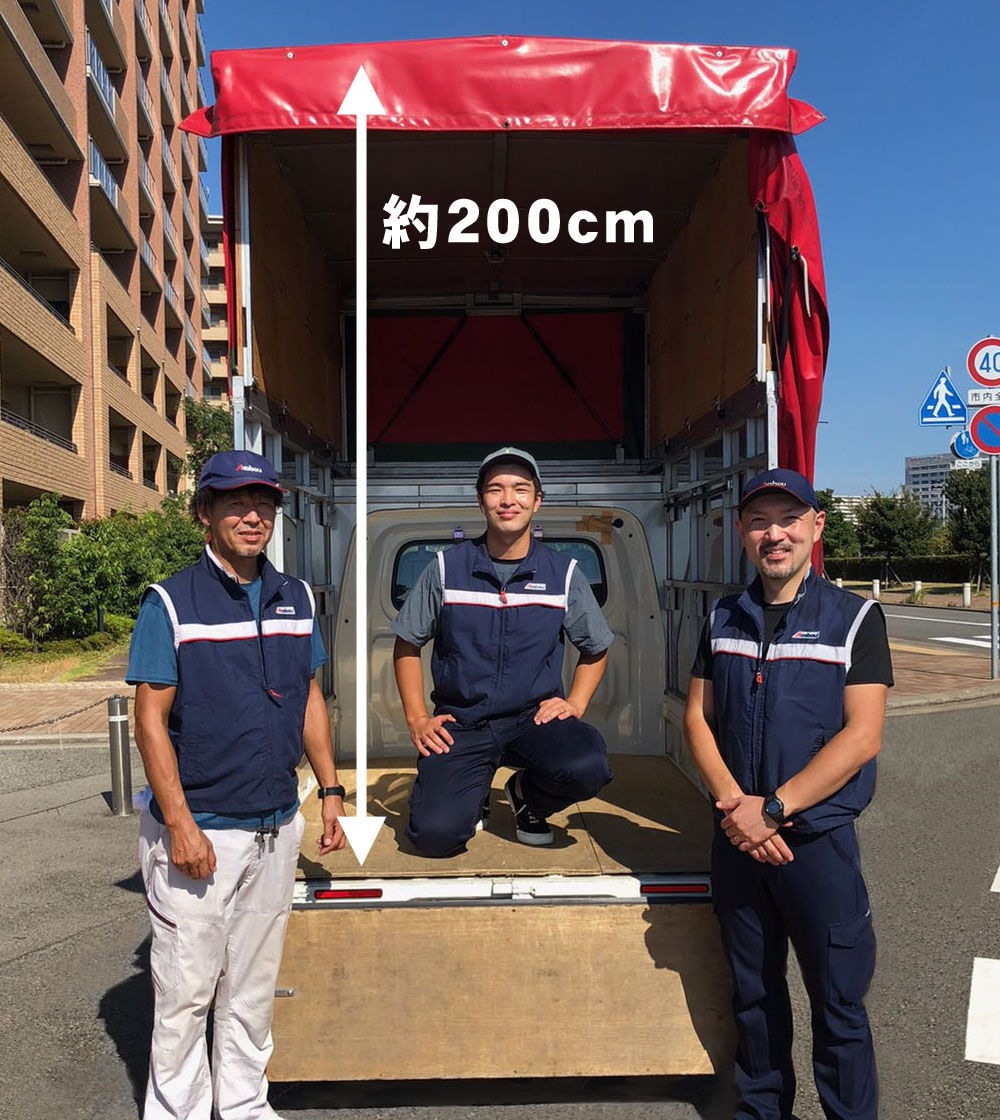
(530, 829)
(484, 814)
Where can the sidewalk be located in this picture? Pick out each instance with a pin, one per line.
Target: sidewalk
(48, 714)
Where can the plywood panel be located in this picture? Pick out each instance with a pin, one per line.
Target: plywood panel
(442, 993)
(702, 343)
(296, 333)
(650, 818)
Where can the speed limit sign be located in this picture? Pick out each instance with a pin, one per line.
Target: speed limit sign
(983, 362)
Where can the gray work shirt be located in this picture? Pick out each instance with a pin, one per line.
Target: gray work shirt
(584, 625)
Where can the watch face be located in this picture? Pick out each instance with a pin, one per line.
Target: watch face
(774, 809)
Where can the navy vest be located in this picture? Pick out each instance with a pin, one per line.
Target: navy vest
(772, 716)
(237, 718)
(499, 647)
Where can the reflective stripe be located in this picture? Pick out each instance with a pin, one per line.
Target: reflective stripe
(441, 564)
(171, 609)
(866, 606)
(312, 598)
(219, 632)
(739, 646)
(569, 576)
(301, 627)
(514, 599)
(807, 651)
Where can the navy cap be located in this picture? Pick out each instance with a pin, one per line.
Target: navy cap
(780, 481)
(227, 470)
(509, 455)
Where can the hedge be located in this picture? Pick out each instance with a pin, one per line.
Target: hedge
(929, 569)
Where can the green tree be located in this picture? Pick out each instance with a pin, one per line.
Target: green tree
(840, 538)
(894, 526)
(209, 429)
(968, 494)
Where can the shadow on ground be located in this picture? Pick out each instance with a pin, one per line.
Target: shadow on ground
(127, 1013)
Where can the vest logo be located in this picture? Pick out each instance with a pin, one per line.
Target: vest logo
(247, 467)
(284, 610)
(806, 635)
(534, 587)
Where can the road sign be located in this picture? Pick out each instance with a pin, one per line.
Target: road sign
(943, 405)
(962, 446)
(983, 362)
(976, 398)
(984, 429)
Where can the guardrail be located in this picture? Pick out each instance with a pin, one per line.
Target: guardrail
(26, 425)
(150, 483)
(147, 254)
(99, 72)
(146, 99)
(166, 26)
(167, 92)
(203, 194)
(202, 95)
(145, 21)
(168, 159)
(169, 228)
(123, 471)
(102, 173)
(12, 271)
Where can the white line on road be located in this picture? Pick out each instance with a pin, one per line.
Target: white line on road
(943, 621)
(996, 882)
(982, 1033)
(979, 643)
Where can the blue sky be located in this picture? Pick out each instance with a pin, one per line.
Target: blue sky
(906, 171)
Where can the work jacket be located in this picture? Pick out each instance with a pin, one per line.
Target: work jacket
(238, 713)
(773, 714)
(499, 646)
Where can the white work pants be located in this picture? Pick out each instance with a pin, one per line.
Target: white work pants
(218, 938)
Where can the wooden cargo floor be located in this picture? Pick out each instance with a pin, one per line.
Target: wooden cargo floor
(650, 818)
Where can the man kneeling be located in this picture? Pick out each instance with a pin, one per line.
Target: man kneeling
(499, 609)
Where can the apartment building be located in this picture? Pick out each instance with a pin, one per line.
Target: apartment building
(926, 476)
(102, 256)
(215, 358)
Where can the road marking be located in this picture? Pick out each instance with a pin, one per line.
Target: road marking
(943, 621)
(982, 1032)
(996, 882)
(979, 643)
(904, 647)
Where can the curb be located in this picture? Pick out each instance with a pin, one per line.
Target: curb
(909, 705)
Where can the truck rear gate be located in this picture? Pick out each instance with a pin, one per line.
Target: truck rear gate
(651, 375)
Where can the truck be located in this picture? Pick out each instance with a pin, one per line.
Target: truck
(605, 253)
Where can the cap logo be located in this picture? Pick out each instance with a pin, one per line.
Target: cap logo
(247, 467)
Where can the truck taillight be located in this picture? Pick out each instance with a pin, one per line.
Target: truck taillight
(361, 892)
(674, 888)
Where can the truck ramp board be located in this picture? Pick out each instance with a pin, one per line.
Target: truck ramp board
(649, 819)
(443, 993)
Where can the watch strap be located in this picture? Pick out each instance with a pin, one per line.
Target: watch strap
(330, 791)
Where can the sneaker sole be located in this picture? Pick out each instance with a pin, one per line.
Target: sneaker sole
(534, 839)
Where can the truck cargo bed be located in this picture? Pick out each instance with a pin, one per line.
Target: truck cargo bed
(649, 819)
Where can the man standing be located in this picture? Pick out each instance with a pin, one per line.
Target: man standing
(223, 656)
(784, 719)
(499, 609)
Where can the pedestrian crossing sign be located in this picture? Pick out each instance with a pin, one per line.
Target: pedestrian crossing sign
(942, 405)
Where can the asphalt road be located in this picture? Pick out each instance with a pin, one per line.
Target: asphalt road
(75, 1005)
(938, 630)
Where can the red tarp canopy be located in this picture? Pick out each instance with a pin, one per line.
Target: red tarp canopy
(511, 82)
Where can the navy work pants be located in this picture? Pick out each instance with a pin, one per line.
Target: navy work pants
(819, 902)
(563, 761)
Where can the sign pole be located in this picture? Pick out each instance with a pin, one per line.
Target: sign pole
(994, 620)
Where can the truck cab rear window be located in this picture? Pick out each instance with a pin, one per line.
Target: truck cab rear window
(412, 558)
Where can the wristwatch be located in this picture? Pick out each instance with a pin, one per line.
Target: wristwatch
(333, 791)
(774, 807)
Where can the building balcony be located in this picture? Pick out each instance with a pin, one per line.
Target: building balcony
(190, 281)
(119, 468)
(185, 37)
(206, 311)
(202, 95)
(107, 25)
(150, 276)
(110, 217)
(51, 20)
(206, 265)
(188, 160)
(199, 37)
(186, 106)
(35, 102)
(145, 37)
(202, 156)
(174, 310)
(167, 102)
(10, 417)
(190, 337)
(146, 117)
(203, 196)
(105, 111)
(190, 224)
(50, 292)
(169, 164)
(168, 44)
(147, 188)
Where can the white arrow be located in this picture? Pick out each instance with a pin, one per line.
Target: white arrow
(361, 102)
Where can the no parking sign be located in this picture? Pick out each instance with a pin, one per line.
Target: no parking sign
(984, 429)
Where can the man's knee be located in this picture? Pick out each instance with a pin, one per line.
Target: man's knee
(585, 768)
(436, 836)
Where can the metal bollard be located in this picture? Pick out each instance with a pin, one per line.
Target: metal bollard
(918, 587)
(121, 760)
(840, 581)
(876, 590)
(966, 594)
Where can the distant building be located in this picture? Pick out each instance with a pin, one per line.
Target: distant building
(848, 505)
(926, 476)
(215, 385)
